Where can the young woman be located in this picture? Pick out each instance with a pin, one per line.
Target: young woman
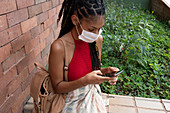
(81, 32)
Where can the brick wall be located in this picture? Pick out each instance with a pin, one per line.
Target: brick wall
(160, 9)
(27, 28)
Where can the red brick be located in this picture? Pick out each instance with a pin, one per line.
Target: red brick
(48, 22)
(5, 52)
(4, 95)
(27, 81)
(42, 17)
(19, 55)
(9, 111)
(7, 6)
(18, 104)
(50, 39)
(34, 10)
(20, 41)
(46, 6)
(55, 3)
(24, 3)
(166, 13)
(37, 50)
(8, 77)
(17, 16)
(36, 31)
(56, 32)
(31, 67)
(58, 8)
(46, 51)
(25, 61)
(44, 61)
(54, 25)
(29, 46)
(4, 37)
(1, 72)
(42, 26)
(12, 87)
(29, 24)
(14, 31)
(55, 18)
(3, 22)
(52, 12)
(8, 63)
(9, 102)
(10, 34)
(13, 59)
(39, 1)
(45, 34)
(42, 45)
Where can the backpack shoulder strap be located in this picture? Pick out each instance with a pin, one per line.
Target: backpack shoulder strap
(66, 62)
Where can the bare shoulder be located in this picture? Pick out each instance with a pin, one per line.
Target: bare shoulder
(57, 46)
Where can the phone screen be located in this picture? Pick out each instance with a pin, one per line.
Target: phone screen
(111, 75)
(118, 73)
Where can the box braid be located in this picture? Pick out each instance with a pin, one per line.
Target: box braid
(87, 9)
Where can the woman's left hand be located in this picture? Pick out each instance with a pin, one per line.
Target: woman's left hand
(111, 71)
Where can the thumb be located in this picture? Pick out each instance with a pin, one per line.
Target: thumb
(106, 78)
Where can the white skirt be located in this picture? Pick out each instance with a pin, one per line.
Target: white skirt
(86, 99)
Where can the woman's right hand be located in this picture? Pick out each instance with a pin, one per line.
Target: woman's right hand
(94, 77)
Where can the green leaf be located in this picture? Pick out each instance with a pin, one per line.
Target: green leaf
(147, 31)
(135, 37)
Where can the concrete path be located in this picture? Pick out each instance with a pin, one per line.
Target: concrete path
(125, 104)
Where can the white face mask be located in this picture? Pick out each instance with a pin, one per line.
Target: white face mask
(87, 36)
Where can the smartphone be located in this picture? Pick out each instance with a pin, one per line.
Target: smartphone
(116, 74)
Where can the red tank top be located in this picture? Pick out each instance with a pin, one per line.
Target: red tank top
(81, 63)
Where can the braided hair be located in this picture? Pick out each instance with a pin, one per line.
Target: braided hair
(84, 8)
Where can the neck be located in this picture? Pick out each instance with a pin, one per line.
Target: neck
(75, 34)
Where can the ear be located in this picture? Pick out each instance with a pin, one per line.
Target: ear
(74, 19)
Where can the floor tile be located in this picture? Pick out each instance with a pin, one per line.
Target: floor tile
(149, 104)
(147, 99)
(121, 101)
(149, 111)
(164, 100)
(121, 109)
(120, 96)
(167, 106)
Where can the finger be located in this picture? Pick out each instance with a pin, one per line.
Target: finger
(98, 72)
(100, 83)
(113, 83)
(114, 69)
(106, 78)
(114, 78)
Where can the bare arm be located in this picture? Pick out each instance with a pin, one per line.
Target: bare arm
(99, 43)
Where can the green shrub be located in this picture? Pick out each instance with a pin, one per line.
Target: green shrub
(134, 40)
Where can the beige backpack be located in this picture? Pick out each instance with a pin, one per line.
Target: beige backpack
(45, 101)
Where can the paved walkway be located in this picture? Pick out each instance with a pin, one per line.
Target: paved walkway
(126, 104)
